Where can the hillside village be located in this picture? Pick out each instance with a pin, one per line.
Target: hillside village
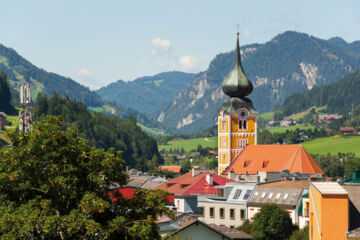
(263, 144)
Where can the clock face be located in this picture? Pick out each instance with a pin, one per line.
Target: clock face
(243, 113)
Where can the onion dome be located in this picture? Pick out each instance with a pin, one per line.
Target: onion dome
(237, 84)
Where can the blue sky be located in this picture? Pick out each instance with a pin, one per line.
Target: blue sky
(99, 42)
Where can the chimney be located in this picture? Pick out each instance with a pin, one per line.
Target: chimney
(231, 175)
(209, 179)
(194, 172)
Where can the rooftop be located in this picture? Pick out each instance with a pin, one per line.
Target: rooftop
(274, 158)
(329, 188)
(174, 169)
(187, 184)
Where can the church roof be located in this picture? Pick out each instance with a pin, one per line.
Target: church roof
(237, 84)
(274, 158)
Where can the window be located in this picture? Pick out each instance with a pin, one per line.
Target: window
(263, 194)
(292, 196)
(221, 192)
(278, 195)
(237, 194)
(222, 213)
(232, 213)
(223, 125)
(223, 142)
(242, 214)
(242, 143)
(223, 156)
(242, 125)
(306, 209)
(232, 226)
(201, 211)
(256, 194)
(286, 196)
(211, 212)
(247, 194)
(270, 195)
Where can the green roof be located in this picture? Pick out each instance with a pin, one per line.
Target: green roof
(234, 104)
(237, 84)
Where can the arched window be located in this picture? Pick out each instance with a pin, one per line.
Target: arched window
(244, 124)
(223, 125)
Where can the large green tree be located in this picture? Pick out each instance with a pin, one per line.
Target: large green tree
(5, 94)
(54, 186)
(272, 223)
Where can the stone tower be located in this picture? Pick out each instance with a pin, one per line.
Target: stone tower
(237, 116)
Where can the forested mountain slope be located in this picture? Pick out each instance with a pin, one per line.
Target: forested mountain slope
(102, 131)
(147, 93)
(291, 62)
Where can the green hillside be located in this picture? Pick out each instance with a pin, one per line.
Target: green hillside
(20, 70)
(334, 145)
(190, 144)
(147, 93)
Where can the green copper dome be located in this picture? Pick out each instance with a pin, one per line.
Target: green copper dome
(237, 84)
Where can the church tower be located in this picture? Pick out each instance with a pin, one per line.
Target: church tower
(237, 116)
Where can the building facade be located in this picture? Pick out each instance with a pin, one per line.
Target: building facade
(229, 207)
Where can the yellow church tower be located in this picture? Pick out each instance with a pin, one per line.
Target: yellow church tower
(237, 116)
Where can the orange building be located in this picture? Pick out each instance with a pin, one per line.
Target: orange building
(274, 158)
(237, 117)
(328, 211)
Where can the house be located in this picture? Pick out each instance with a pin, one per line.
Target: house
(174, 169)
(348, 130)
(228, 207)
(268, 161)
(202, 231)
(303, 211)
(286, 194)
(288, 122)
(326, 119)
(187, 186)
(353, 189)
(168, 225)
(328, 211)
(3, 117)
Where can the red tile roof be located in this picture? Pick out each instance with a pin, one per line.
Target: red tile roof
(174, 169)
(274, 158)
(187, 184)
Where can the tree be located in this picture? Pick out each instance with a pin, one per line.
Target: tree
(300, 234)
(54, 186)
(246, 227)
(5, 94)
(185, 165)
(272, 223)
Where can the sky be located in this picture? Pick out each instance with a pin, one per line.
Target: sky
(99, 42)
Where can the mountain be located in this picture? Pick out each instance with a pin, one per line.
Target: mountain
(19, 70)
(145, 94)
(338, 97)
(291, 62)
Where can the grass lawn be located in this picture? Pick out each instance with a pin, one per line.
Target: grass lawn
(281, 129)
(300, 115)
(150, 130)
(191, 144)
(267, 116)
(334, 145)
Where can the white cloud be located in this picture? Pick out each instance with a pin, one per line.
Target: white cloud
(160, 46)
(247, 33)
(188, 63)
(83, 72)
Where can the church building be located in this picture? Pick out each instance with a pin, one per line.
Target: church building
(237, 117)
(238, 151)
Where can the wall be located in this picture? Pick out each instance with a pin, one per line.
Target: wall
(226, 221)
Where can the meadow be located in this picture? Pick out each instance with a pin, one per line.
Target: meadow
(334, 145)
(190, 144)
